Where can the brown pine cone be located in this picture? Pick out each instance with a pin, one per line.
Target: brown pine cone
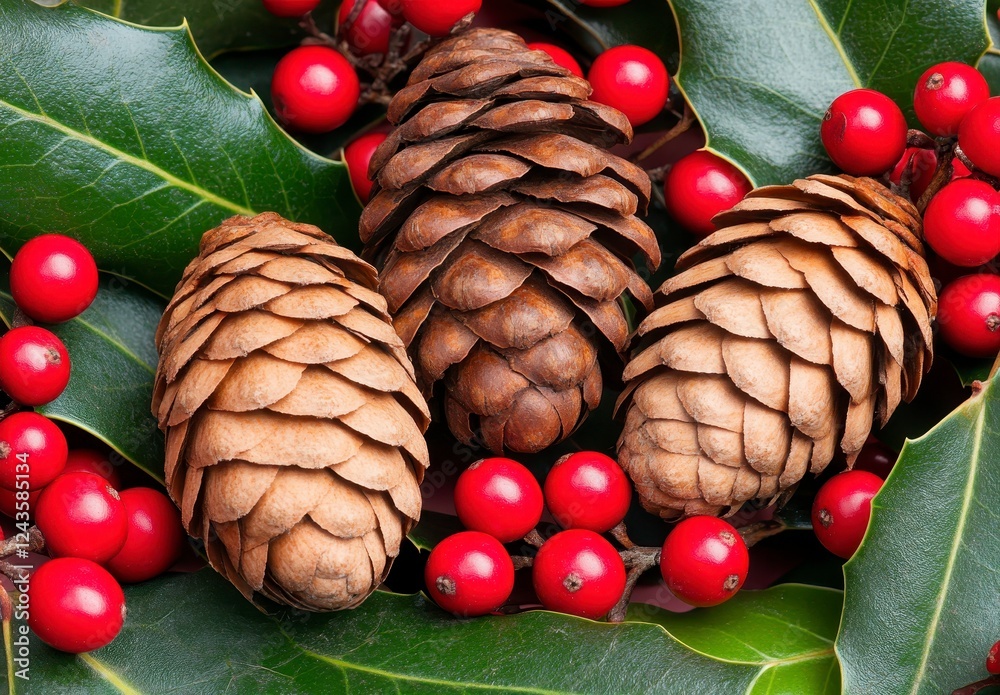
(294, 427)
(783, 335)
(504, 231)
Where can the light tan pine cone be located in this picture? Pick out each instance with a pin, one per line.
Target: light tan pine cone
(504, 231)
(782, 336)
(294, 427)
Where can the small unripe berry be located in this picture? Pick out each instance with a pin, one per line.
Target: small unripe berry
(864, 132)
(701, 185)
(962, 223)
(633, 80)
(560, 56)
(588, 490)
(34, 365)
(969, 315)
(357, 156)
(53, 278)
(500, 497)
(33, 451)
(704, 561)
(979, 134)
(438, 17)
(314, 89)
(469, 574)
(842, 509)
(155, 539)
(945, 93)
(371, 31)
(290, 8)
(76, 605)
(578, 572)
(80, 515)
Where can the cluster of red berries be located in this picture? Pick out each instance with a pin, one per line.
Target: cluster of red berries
(704, 560)
(865, 134)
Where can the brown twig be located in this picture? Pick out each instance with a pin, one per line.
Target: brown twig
(687, 120)
(36, 543)
(522, 561)
(638, 560)
(534, 538)
(756, 532)
(620, 534)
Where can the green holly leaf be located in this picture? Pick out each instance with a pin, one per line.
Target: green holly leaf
(131, 143)
(217, 25)
(989, 64)
(405, 644)
(761, 74)
(920, 611)
(113, 361)
(786, 633)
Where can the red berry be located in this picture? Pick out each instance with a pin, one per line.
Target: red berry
(603, 3)
(578, 572)
(155, 538)
(864, 132)
(395, 10)
(469, 574)
(371, 31)
(357, 156)
(314, 89)
(437, 17)
(958, 169)
(76, 605)
(969, 315)
(946, 93)
(704, 561)
(23, 501)
(500, 497)
(962, 223)
(53, 278)
(560, 56)
(978, 136)
(700, 186)
(876, 457)
(922, 166)
(841, 510)
(32, 451)
(92, 461)
(993, 660)
(633, 80)
(588, 490)
(80, 515)
(34, 365)
(290, 8)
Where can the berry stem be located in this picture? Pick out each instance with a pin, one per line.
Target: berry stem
(756, 532)
(9, 409)
(521, 561)
(36, 543)
(638, 560)
(620, 534)
(946, 153)
(534, 538)
(974, 688)
(682, 126)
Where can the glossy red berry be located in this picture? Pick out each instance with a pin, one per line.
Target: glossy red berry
(969, 315)
(876, 457)
(438, 17)
(945, 93)
(80, 515)
(993, 660)
(93, 461)
(603, 3)
(704, 561)
(76, 605)
(633, 80)
(469, 573)
(588, 490)
(700, 186)
(922, 166)
(21, 501)
(978, 136)
(53, 278)
(155, 538)
(578, 572)
(357, 156)
(841, 510)
(864, 132)
(314, 89)
(34, 365)
(962, 223)
(500, 497)
(33, 451)
(290, 8)
(371, 31)
(560, 56)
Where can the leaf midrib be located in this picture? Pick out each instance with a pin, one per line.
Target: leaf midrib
(138, 162)
(835, 39)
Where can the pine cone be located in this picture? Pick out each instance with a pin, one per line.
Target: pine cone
(504, 232)
(294, 427)
(804, 317)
